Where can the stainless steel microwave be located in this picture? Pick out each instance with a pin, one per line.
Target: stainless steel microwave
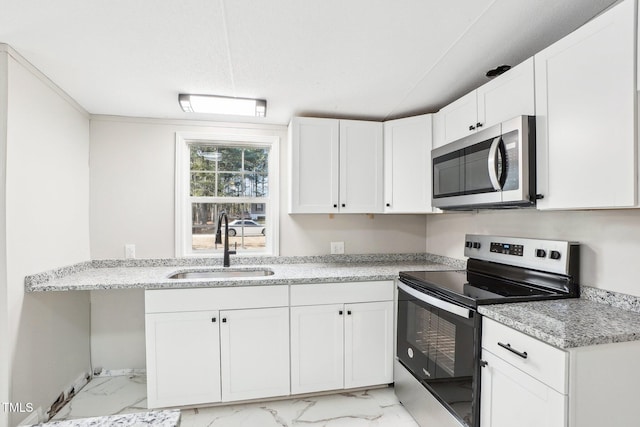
(493, 168)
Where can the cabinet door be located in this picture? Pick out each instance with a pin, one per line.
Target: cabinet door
(407, 165)
(183, 358)
(460, 117)
(361, 167)
(314, 165)
(585, 105)
(507, 96)
(317, 348)
(254, 353)
(368, 337)
(510, 397)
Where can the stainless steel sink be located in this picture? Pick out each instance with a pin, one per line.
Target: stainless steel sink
(221, 274)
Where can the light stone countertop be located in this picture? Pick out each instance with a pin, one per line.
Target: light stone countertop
(568, 323)
(165, 418)
(153, 274)
(598, 317)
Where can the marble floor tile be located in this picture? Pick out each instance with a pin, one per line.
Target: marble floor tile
(127, 394)
(107, 396)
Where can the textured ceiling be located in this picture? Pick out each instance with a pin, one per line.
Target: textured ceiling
(373, 59)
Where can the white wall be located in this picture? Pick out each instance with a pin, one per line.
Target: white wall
(610, 248)
(4, 306)
(47, 226)
(132, 201)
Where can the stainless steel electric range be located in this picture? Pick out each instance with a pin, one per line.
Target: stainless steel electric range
(437, 369)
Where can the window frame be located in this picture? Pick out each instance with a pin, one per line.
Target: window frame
(183, 226)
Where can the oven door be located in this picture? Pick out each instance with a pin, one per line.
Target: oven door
(438, 342)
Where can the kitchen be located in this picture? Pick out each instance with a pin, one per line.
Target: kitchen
(124, 194)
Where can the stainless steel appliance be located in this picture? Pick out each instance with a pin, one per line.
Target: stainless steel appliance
(437, 369)
(491, 168)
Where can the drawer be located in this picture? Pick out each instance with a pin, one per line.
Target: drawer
(543, 362)
(341, 293)
(205, 299)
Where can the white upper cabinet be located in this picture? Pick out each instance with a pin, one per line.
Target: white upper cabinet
(507, 96)
(314, 154)
(585, 103)
(361, 166)
(460, 118)
(336, 166)
(407, 165)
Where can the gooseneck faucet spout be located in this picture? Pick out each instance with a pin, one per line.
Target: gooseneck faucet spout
(223, 215)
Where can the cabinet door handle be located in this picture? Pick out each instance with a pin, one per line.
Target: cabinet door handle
(478, 125)
(349, 312)
(213, 319)
(340, 312)
(224, 320)
(507, 346)
(335, 205)
(343, 205)
(471, 127)
(483, 363)
(388, 205)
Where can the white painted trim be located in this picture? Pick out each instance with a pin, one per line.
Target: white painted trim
(42, 77)
(224, 126)
(182, 225)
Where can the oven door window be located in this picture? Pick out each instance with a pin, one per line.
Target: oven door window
(439, 348)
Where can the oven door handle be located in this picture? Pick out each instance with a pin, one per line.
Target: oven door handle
(436, 302)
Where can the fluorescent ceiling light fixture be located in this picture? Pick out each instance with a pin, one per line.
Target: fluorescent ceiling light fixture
(213, 104)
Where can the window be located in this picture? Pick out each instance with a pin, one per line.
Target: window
(230, 173)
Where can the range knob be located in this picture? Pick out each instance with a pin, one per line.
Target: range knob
(476, 245)
(541, 253)
(555, 255)
(468, 244)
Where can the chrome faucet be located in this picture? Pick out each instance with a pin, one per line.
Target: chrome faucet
(227, 252)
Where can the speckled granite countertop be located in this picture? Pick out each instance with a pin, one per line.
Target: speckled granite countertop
(153, 274)
(167, 418)
(571, 323)
(598, 317)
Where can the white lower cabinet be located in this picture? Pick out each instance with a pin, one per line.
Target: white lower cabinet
(209, 345)
(254, 347)
(368, 350)
(338, 342)
(183, 358)
(237, 349)
(317, 348)
(529, 383)
(511, 397)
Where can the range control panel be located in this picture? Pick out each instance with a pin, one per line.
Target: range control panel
(506, 248)
(546, 255)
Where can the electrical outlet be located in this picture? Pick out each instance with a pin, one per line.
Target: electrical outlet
(129, 251)
(337, 248)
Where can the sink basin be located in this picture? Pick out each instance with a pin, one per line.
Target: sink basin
(221, 274)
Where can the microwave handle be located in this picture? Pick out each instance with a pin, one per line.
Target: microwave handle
(491, 164)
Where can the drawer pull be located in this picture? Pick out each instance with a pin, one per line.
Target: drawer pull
(522, 354)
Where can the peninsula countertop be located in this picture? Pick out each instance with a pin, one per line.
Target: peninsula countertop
(570, 323)
(154, 274)
(598, 317)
